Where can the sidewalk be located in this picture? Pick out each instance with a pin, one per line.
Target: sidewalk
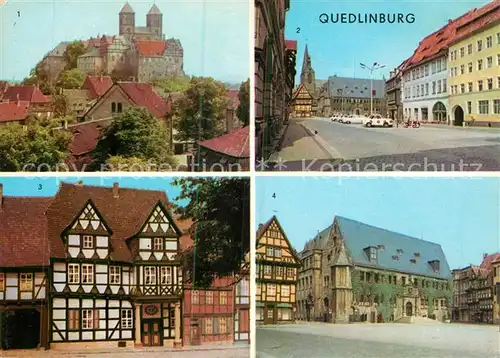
(103, 351)
(446, 126)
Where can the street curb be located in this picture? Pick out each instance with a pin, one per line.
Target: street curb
(282, 138)
(328, 149)
(143, 350)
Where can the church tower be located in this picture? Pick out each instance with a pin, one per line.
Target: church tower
(154, 22)
(307, 76)
(127, 21)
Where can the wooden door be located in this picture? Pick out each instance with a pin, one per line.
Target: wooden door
(151, 332)
(270, 315)
(242, 325)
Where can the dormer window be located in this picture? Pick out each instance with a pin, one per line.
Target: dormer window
(88, 242)
(158, 244)
(371, 252)
(413, 261)
(434, 265)
(399, 251)
(417, 254)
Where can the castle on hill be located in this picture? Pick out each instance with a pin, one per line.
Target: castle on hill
(137, 53)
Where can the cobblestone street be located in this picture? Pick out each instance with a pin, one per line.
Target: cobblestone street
(378, 340)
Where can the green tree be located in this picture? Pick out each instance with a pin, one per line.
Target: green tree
(220, 208)
(201, 112)
(60, 103)
(167, 85)
(73, 51)
(71, 79)
(136, 134)
(35, 148)
(243, 110)
(39, 77)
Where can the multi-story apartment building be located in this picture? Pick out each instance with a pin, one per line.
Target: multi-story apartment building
(356, 272)
(272, 73)
(474, 294)
(474, 75)
(276, 275)
(425, 74)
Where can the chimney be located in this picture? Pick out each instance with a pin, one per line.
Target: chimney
(1, 196)
(115, 190)
(100, 78)
(18, 101)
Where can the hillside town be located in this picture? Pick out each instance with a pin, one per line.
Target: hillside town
(102, 270)
(83, 95)
(450, 82)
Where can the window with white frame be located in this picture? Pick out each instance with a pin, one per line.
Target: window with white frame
(285, 291)
(277, 252)
(270, 251)
(126, 318)
(2, 281)
(26, 283)
(90, 319)
(489, 41)
(267, 269)
(73, 273)
(271, 289)
(490, 83)
(479, 45)
(489, 61)
(114, 274)
(87, 273)
(88, 242)
(479, 64)
(208, 325)
(480, 85)
(496, 110)
(469, 49)
(279, 271)
(149, 275)
(290, 272)
(209, 300)
(223, 297)
(166, 275)
(158, 244)
(483, 107)
(196, 297)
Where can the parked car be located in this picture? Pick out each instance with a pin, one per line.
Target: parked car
(353, 120)
(377, 120)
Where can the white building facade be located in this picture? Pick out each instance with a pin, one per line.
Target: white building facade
(425, 91)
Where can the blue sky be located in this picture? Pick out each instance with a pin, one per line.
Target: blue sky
(337, 49)
(460, 214)
(224, 54)
(47, 186)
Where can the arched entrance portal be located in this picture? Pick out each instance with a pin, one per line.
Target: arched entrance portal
(358, 111)
(459, 116)
(409, 309)
(439, 112)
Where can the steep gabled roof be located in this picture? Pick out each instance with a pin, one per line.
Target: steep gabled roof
(97, 85)
(154, 10)
(488, 260)
(13, 111)
(125, 215)
(29, 94)
(143, 95)
(263, 228)
(299, 89)
(23, 231)
(234, 144)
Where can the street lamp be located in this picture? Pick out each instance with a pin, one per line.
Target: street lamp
(376, 66)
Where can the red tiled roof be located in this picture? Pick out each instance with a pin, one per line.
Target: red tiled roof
(437, 42)
(30, 94)
(124, 215)
(486, 15)
(13, 111)
(143, 95)
(233, 97)
(234, 144)
(487, 261)
(85, 137)
(150, 47)
(291, 45)
(97, 85)
(23, 232)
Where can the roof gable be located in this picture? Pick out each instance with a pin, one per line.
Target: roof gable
(89, 220)
(274, 224)
(234, 144)
(13, 111)
(160, 222)
(143, 95)
(301, 90)
(97, 85)
(29, 94)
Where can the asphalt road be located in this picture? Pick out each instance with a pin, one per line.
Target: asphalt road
(319, 144)
(378, 341)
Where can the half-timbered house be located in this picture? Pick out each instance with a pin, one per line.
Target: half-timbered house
(93, 266)
(276, 275)
(219, 313)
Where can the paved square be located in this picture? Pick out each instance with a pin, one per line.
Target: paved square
(428, 148)
(320, 340)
